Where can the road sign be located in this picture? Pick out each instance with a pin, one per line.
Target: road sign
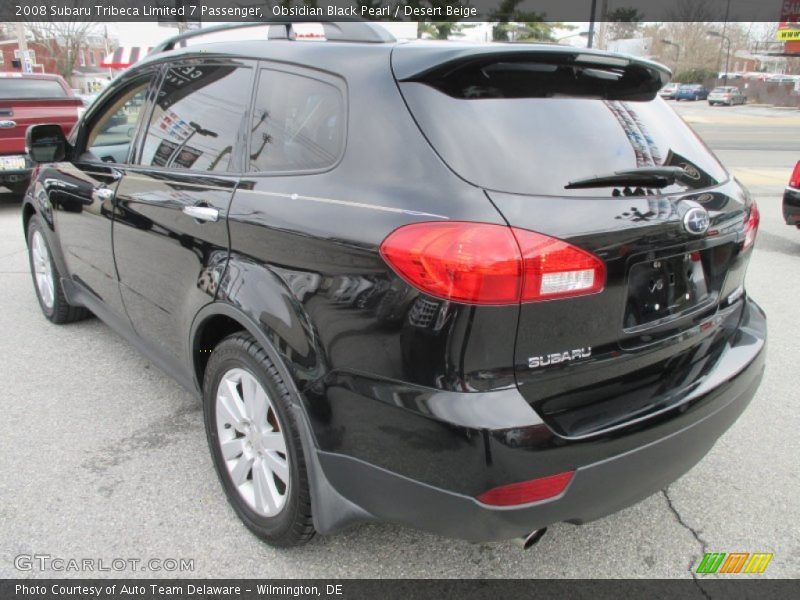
(788, 35)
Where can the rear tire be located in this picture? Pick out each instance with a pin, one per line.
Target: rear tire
(255, 442)
(47, 279)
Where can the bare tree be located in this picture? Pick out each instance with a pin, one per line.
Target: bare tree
(623, 23)
(63, 41)
(697, 11)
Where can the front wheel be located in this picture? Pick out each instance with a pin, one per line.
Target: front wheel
(255, 442)
(47, 279)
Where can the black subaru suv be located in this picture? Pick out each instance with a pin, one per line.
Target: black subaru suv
(476, 289)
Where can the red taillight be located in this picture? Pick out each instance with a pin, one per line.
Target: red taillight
(794, 180)
(526, 492)
(467, 262)
(751, 226)
(481, 263)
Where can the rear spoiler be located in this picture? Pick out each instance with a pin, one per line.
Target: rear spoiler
(634, 78)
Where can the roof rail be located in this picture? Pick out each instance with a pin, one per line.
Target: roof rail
(339, 31)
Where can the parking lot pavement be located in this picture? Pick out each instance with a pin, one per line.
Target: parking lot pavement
(103, 456)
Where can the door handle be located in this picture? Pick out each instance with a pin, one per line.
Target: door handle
(102, 194)
(202, 213)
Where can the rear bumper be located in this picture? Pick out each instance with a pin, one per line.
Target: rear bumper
(791, 206)
(18, 176)
(627, 468)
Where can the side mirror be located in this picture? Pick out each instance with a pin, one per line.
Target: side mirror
(46, 143)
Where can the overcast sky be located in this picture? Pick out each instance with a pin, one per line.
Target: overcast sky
(148, 34)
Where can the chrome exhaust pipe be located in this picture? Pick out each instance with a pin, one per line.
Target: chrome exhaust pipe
(532, 538)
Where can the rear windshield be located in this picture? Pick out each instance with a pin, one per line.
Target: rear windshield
(495, 139)
(28, 89)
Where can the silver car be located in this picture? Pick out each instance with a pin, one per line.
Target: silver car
(668, 91)
(728, 94)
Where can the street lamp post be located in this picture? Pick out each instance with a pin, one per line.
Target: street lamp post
(727, 41)
(677, 50)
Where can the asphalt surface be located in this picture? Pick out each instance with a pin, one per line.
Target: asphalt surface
(102, 456)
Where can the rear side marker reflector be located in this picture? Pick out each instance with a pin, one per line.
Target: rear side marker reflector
(483, 263)
(794, 180)
(526, 492)
(751, 226)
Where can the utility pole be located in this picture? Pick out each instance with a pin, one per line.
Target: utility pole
(105, 43)
(602, 42)
(724, 31)
(22, 42)
(590, 39)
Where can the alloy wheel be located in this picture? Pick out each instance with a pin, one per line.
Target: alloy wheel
(252, 443)
(42, 269)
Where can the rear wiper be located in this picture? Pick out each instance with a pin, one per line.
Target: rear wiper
(649, 177)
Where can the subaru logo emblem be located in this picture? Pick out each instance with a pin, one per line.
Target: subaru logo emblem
(7, 124)
(696, 220)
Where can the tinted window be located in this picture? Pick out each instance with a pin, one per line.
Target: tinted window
(298, 123)
(30, 88)
(197, 117)
(538, 145)
(112, 132)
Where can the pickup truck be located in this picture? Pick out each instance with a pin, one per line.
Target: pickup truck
(28, 99)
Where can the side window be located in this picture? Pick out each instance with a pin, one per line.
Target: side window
(298, 123)
(112, 132)
(197, 117)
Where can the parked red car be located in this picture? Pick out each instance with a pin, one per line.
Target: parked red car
(29, 99)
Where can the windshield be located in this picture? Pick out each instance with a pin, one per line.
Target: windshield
(537, 145)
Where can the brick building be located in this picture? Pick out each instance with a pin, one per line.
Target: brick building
(87, 74)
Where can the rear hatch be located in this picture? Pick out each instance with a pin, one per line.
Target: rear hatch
(25, 102)
(524, 123)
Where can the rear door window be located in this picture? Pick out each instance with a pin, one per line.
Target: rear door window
(298, 123)
(198, 117)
